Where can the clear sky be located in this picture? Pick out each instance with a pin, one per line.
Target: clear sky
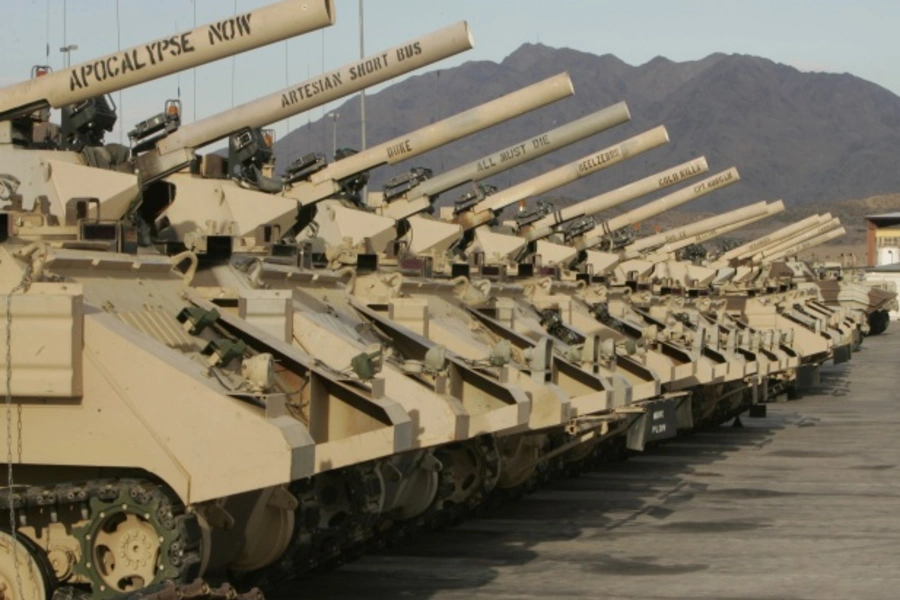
(855, 36)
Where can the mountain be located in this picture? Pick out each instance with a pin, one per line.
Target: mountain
(809, 138)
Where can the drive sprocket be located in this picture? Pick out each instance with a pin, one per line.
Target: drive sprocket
(136, 537)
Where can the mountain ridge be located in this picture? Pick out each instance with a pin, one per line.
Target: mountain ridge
(809, 138)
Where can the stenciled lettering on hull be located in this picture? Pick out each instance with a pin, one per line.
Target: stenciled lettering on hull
(598, 160)
(680, 175)
(156, 53)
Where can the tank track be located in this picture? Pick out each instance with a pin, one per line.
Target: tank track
(197, 590)
(90, 508)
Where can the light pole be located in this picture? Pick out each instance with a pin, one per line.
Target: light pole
(67, 50)
(334, 119)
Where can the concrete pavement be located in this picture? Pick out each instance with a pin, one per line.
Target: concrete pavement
(804, 504)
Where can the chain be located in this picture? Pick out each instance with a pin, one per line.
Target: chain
(23, 285)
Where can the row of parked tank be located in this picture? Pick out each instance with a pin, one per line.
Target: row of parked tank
(216, 370)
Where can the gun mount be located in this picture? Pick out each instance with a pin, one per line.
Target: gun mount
(525, 218)
(400, 184)
(85, 123)
(304, 167)
(473, 197)
(149, 131)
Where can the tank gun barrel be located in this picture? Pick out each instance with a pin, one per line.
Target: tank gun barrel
(810, 243)
(824, 221)
(176, 150)
(484, 211)
(673, 236)
(546, 226)
(421, 196)
(450, 129)
(158, 58)
(596, 235)
(795, 239)
(771, 209)
(754, 246)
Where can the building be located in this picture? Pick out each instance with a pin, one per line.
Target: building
(883, 239)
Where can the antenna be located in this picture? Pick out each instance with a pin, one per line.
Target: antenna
(47, 61)
(362, 94)
(178, 75)
(194, 70)
(287, 81)
(233, 62)
(119, 47)
(323, 106)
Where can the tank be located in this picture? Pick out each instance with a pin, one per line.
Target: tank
(69, 159)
